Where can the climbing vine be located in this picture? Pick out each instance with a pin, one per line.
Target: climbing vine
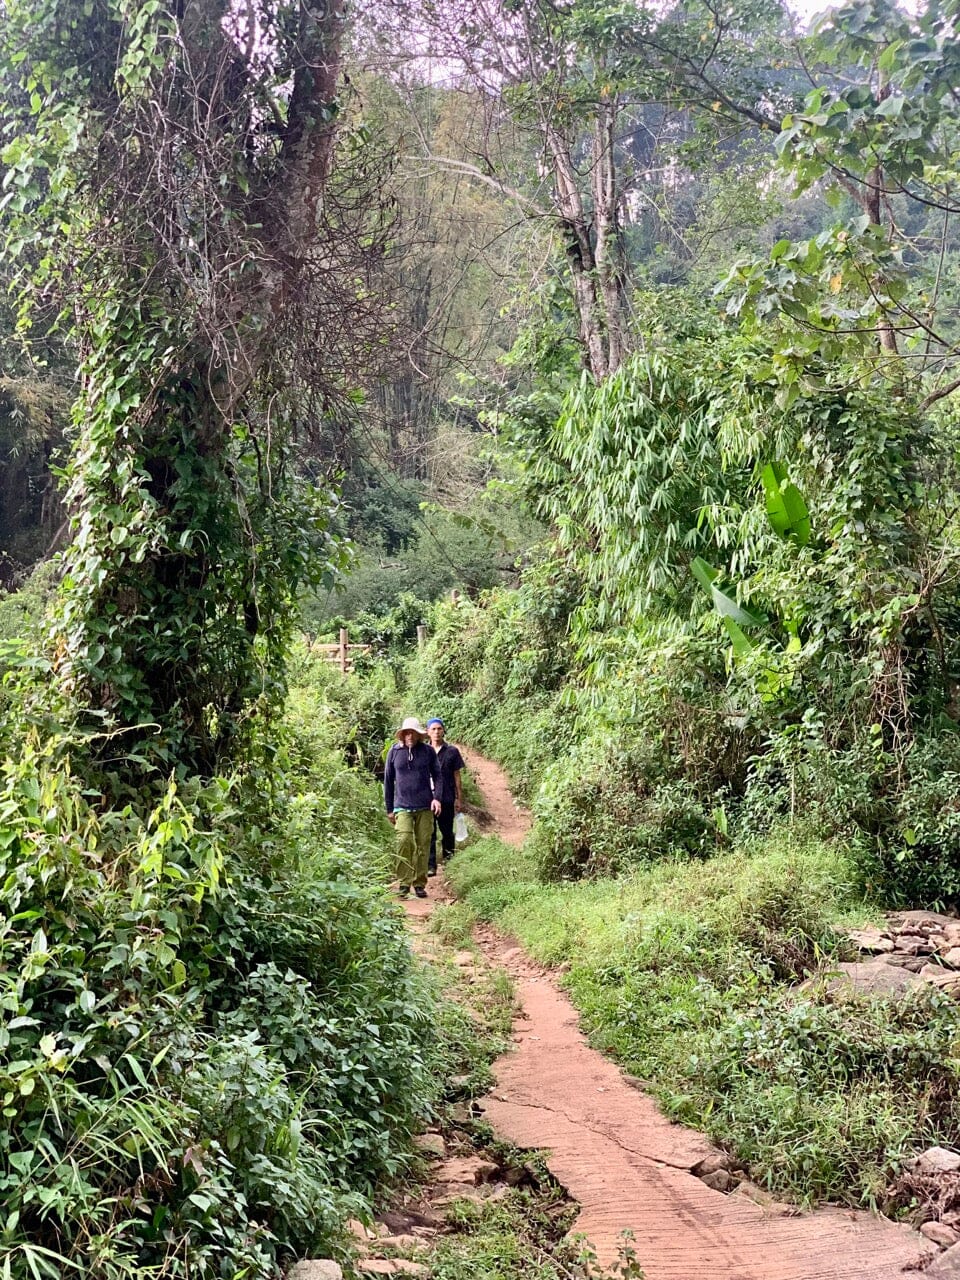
(171, 184)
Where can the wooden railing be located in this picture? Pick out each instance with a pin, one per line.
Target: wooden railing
(340, 654)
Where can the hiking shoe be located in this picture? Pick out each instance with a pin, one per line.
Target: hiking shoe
(432, 871)
(420, 891)
(403, 891)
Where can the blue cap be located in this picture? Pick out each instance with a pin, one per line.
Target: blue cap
(436, 720)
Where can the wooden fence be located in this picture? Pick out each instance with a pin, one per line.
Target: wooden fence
(340, 654)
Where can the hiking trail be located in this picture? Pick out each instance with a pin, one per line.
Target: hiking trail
(626, 1165)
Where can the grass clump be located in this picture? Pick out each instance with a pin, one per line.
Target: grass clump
(452, 922)
(517, 1238)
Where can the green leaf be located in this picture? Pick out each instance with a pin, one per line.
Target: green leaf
(891, 108)
(704, 573)
(786, 509)
(742, 644)
(725, 605)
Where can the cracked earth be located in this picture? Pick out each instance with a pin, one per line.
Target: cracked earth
(627, 1166)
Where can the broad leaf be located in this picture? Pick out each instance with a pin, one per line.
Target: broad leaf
(786, 509)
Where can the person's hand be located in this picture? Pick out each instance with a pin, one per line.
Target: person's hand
(435, 808)
(458, 807)
(392, 819)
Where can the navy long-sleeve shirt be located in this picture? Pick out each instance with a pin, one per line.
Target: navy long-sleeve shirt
(410, 777)
(451, 762)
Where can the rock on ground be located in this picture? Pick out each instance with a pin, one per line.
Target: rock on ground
(316, 1269)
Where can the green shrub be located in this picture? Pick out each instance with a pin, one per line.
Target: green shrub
(349, 714)
(828, 1096)
(609, 804)
(481, 672)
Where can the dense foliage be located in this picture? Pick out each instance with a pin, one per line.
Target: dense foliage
(213, 1043)
(754, 520)
(716, 374)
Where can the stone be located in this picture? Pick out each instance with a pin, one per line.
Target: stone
(431, 1144)
(915, 921)
(874, 976)
(467, 1169)
(636, 1083)
(913, 944)
(870, 939)
(409, 1220)
(719, 1180)
(935, 1160)
(711, 1163)
(400, 1242)
(316, 1269)
(951, 957)
(359, 1231)
(757, 1194)
(470, 1194)
(947, 980)
(946, 1267)
(940, 1234)
(465, 959)
(492, 1193)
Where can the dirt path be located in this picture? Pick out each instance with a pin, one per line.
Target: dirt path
(506, 818)
(630, 1168)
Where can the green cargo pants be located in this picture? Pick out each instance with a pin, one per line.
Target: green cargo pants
(414, 828)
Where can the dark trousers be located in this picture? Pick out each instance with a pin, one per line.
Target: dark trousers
(444, 823)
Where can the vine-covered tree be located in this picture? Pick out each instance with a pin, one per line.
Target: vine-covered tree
(171, 179)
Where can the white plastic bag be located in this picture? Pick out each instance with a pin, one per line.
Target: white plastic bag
(460, 828)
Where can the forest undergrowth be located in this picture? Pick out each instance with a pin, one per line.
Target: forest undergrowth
(214, 1042)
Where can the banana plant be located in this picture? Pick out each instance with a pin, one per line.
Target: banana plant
(788, 515)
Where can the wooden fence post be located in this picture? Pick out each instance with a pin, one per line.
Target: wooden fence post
(344, 650)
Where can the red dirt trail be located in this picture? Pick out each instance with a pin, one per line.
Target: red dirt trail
(627, 1166)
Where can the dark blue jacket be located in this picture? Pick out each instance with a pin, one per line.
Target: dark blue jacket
(410, 778)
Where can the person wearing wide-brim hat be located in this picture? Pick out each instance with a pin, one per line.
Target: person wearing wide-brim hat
(411, 779)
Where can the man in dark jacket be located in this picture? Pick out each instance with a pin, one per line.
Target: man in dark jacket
(449, 792)
(411, 779)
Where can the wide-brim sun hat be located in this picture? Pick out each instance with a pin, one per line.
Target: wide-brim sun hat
(413, 723)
